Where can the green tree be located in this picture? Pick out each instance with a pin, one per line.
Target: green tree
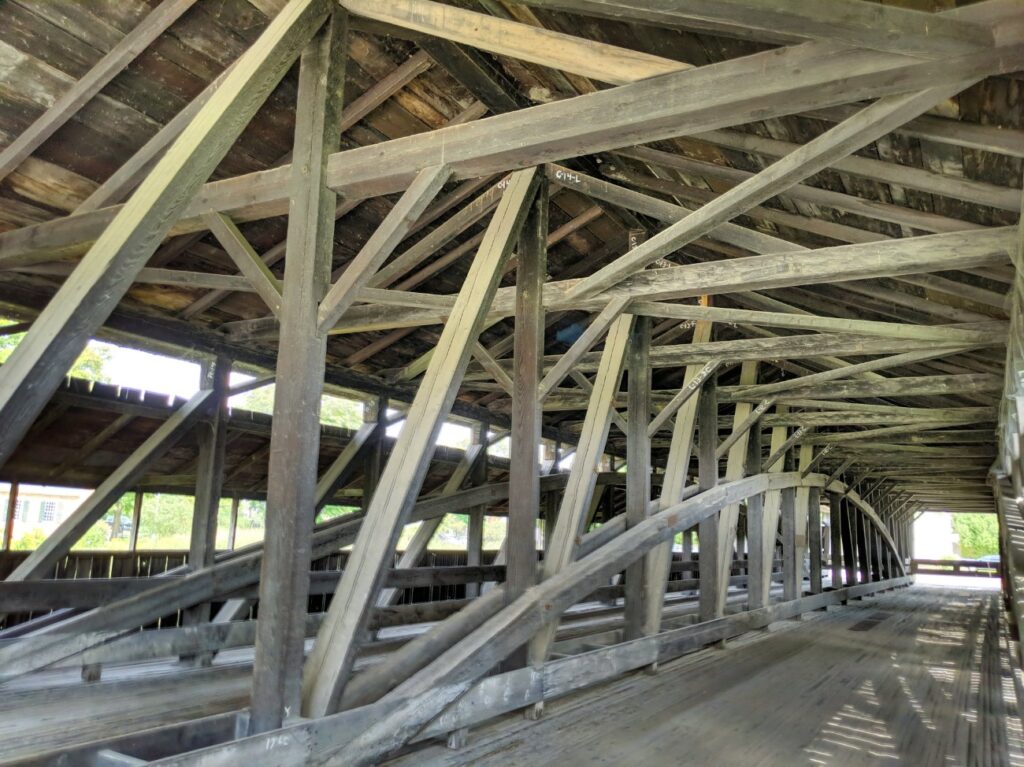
(334, 411)
(166, 520)
(337, 411)
(96, 537)
(29, 541)
(979, 534)
(89, 365)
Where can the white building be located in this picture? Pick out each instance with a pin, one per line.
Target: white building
(41, 507)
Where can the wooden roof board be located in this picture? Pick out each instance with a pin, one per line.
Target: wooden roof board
(46, 52)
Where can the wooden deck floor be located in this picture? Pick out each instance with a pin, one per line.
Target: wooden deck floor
(916, 677)
(53, 709)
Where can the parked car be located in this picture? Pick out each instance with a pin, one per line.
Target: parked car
(991, 566)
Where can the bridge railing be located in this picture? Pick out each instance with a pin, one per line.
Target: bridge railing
(967, 567)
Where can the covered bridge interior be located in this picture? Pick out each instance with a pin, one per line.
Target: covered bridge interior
(727, 291)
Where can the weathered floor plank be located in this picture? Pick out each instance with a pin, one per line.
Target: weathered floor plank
(883, 681)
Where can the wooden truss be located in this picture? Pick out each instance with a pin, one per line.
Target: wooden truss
(854, 436)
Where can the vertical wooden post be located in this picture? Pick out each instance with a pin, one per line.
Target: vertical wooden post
(835, 529)
(579, 489)
(728, 517)
(876, 552)
(329, 666)
(872, 547)
(677, 467)
(707, 478)
(133, 539)
(12, 508)
(233, 523)
(791, 567)
(377, 412)
(638, 465)
(814, 537)
(826, 541)
(475, 528)
(860, 543)
(212, 437)
(528, 355)
(762, 562)
(740, 555)
(849, 549)
(295, 436)
(417, 547)
(551, 501)
(897, 529)
(757, 586)
(885, 568)
(805, 457)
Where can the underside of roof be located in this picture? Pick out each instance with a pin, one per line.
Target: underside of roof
(951, 175)
(712, 266)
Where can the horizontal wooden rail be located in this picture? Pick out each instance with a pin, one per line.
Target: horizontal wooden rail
(55, 594)
(299, 743)
(977, 568)
(88, 592)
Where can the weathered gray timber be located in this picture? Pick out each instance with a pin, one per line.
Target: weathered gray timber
(707, 478)
(88, 296)
(388, 235)
(51, 594)
(323, 738)
(797, 267)
(252, 267)
(607, 63)
(814, 538)
(835, 527)
(728, 517)
(328, 667)
(595, 330)
(71, 529)
(791, 564)
(528, 350)
(638, 466)
(870, 317)
(639, 112)
(417, 547)
(295, 439)
(810, 322)
(762, 528)
(680, 398)
(843, 23)
(898, 386)
(674, 485)
(756, 593)
(964, 189)
(212, 438)
(405, 710)
(136, 41)
(579, 489)
(863, 128)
